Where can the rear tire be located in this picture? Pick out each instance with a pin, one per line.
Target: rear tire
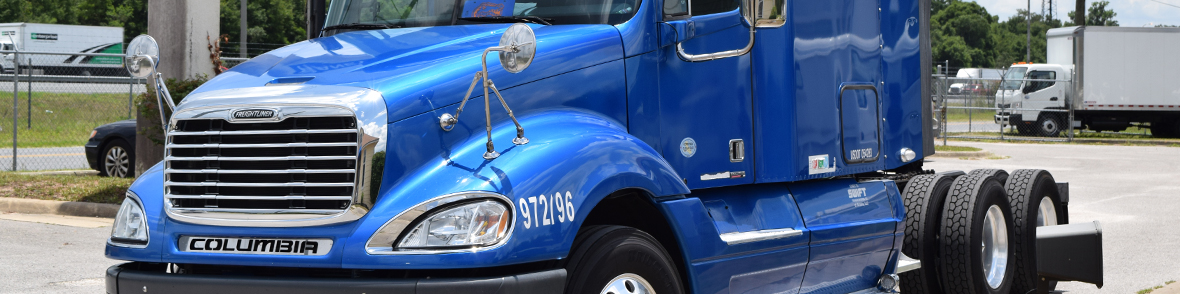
(620, 260)
(1166, 129)
(976, 229)
(1035, 202)
(924, 195)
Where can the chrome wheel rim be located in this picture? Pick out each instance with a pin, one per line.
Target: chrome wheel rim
(1046, 212)
(1049, 126)
(995, 246)
(116, 162)
(628, 284)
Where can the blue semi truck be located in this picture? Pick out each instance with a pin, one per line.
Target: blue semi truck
(692, 146)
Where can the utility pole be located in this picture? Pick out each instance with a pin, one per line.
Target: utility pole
(1027, 32)
(242, 36)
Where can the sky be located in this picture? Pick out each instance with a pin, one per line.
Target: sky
(1130, 13)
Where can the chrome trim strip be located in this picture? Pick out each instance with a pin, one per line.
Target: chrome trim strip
(271, 145)
(259, 171)
(905, 264)
(225, 184)
(265, 132)
(762, 235)
(271, 158)
(381, 242)
(260, 211)
(146, 226)
(232, 197)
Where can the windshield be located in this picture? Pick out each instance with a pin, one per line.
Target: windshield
(1013, 78)
(421, 13)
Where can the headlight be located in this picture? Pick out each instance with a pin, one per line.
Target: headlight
(130, 228)
(92, 133)
(473, 224)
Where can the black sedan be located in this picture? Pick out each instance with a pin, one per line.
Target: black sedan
(111, 149)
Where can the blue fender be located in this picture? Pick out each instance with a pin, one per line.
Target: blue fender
(150, 189)
(573, 156)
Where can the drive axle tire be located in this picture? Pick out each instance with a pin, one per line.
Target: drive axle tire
(976, 229)
(924, 195)
(620, 260)
(1035, 202)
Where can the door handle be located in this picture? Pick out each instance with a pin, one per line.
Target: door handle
(1053, 99)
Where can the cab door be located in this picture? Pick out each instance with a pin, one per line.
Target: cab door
(704, 92)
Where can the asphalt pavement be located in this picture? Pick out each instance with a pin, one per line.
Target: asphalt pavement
(1134, 191)
(89, 88)
(51, 158)
(49, 258)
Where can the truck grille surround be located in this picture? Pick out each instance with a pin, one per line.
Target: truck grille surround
(296, 168)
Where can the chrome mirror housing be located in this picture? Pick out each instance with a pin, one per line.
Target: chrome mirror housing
(519, 47)
(142, 54)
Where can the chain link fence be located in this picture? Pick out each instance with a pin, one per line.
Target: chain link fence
(998, 109)
(57, 99)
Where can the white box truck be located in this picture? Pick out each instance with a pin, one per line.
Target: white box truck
(1111, 77)
(54, 38)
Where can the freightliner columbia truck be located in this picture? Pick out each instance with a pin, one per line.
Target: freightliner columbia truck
(591, 146)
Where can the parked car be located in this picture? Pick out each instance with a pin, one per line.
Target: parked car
(111, 149)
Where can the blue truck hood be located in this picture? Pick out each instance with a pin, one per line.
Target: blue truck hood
(420, 69)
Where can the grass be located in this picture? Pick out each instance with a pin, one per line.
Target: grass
(1149, 290)
(975, 115)
(59, 119)
(64, 187)
(949, 148)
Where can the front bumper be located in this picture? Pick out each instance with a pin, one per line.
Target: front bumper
(92, 155)
(1005, 118)
(132, 278)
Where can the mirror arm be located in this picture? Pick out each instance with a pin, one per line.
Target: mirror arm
(448, 122)
(163, 95)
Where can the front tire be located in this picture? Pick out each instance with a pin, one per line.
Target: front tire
(1035, 202)
(1048, 125)
(976, 229)
(117, 160)
(620, 260)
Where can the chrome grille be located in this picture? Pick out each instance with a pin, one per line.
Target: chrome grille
(296, 166)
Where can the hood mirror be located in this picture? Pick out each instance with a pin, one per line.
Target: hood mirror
(142, 55)
(520, 46)
(517, 48)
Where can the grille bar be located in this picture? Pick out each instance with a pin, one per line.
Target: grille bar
(263, 132)
(259, 171)
(232, 197)
(272, 145)
(222, 184)
(261, 158)
(259, 211)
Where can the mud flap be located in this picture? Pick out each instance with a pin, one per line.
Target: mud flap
(1070, 252)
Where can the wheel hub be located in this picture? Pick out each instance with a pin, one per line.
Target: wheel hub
(1046, 213)
(1049, 126)
(116, 162)
(995, 246)
(628, 284)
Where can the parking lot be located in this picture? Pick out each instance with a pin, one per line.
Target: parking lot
(1131, 190)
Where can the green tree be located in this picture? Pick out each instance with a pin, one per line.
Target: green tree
(960, 33)
(1097, 15)
(129, 14)
(272, 23)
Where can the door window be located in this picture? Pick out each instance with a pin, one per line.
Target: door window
(699, 7)
(1034, 86)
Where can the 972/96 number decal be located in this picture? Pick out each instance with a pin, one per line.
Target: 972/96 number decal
(546, 210)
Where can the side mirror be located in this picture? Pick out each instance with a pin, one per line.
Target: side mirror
(519, 47)
(142, 55)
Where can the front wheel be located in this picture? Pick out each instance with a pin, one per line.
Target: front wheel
(1048, 125)
(117, 160)
(620, 260)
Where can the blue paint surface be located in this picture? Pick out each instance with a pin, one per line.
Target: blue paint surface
(607, 108)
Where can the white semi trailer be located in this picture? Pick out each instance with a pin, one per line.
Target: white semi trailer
(54, 38)
(1111, 77)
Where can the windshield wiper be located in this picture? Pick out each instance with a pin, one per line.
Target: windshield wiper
(361, 26)
(510, 19)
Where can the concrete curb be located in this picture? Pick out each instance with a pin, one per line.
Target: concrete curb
(959, 154)
(37, 206)
(80, 172)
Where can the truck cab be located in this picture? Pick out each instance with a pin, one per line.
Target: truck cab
(1029, 89)
(609, 146)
